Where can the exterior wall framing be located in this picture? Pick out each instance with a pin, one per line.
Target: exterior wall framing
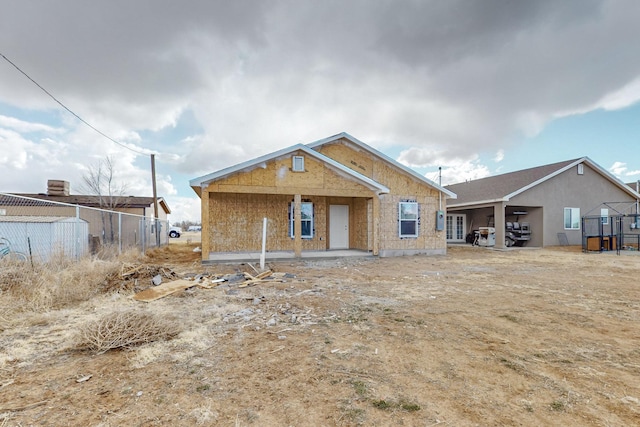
(235, 203)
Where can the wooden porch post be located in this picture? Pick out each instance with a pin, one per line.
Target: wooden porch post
(206, 226)
(376, 224)
(297, 225)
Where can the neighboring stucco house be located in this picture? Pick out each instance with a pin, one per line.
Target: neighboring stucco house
(552, 199)
(335, 193)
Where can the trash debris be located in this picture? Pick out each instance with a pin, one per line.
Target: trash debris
(84, 378)
(163, 290)
(203, 280)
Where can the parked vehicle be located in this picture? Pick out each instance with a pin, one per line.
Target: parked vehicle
(194, 228)
(175, 232)
(517, 234)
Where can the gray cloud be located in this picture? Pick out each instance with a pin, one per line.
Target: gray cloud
(446, 78)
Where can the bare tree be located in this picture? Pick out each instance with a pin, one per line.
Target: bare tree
(100, 180)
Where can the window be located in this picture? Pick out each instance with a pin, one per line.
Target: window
(297, 164)
(306, 211)
(604, 216)
(408, 219)
(580, 169)
(572, 218)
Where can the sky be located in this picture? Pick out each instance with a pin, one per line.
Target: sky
(456, 89)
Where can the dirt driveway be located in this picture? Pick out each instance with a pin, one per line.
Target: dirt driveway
(473, 338)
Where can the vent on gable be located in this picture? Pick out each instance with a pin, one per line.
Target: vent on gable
(297, 164)
(580, 169)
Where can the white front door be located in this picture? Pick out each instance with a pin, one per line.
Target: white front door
(338, 226)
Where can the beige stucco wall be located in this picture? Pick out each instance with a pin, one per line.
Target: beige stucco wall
(546, 201)
(571, 190)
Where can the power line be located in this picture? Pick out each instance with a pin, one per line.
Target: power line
(68, 109)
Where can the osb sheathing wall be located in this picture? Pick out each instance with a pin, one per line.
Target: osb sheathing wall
(237, 224)
(402, 188)
(238, 204)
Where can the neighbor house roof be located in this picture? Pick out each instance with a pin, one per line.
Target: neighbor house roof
(198, 183)
(505, 186)
(634, 185)
(363, 146)
(94, 201)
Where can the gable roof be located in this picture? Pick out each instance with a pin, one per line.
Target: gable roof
(198, 183)
(365, 147)
(505, 186)
(633, 185)
(92, 201)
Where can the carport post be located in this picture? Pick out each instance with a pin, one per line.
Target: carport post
(499, 224)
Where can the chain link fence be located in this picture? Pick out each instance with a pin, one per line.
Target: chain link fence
(44, 229)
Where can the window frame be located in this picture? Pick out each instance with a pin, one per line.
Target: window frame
(604, 216)
(310, 220)
(404, 220)
(571, 221)
(297, 163)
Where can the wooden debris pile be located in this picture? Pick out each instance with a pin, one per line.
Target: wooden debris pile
(135, 277)
(209, 281)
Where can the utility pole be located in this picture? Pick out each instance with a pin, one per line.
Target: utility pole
(155, 199)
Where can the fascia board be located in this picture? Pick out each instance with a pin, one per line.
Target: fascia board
(611, 177)
(383, 156)
(543, 179)
(480, 202)
(589, 162)
(205, 180)
(374, 185)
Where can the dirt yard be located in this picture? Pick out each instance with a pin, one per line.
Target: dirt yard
(474, 338)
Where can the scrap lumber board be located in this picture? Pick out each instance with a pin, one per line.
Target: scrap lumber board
(163, 290)
(254, 279)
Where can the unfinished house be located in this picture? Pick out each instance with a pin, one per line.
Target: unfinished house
(336, 194)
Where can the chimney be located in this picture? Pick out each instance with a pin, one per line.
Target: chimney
(57, 188)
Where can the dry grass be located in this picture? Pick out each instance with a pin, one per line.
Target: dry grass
(60, 283)
(476, 337)
(124, 329)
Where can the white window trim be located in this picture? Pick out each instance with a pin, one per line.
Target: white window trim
(297, 163)
(604, 214)
(292, 220)
(571, 218)
(404, 220)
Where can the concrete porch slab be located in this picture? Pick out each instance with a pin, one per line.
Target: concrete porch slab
(233, 257)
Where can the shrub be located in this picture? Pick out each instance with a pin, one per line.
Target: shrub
(124, 329)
